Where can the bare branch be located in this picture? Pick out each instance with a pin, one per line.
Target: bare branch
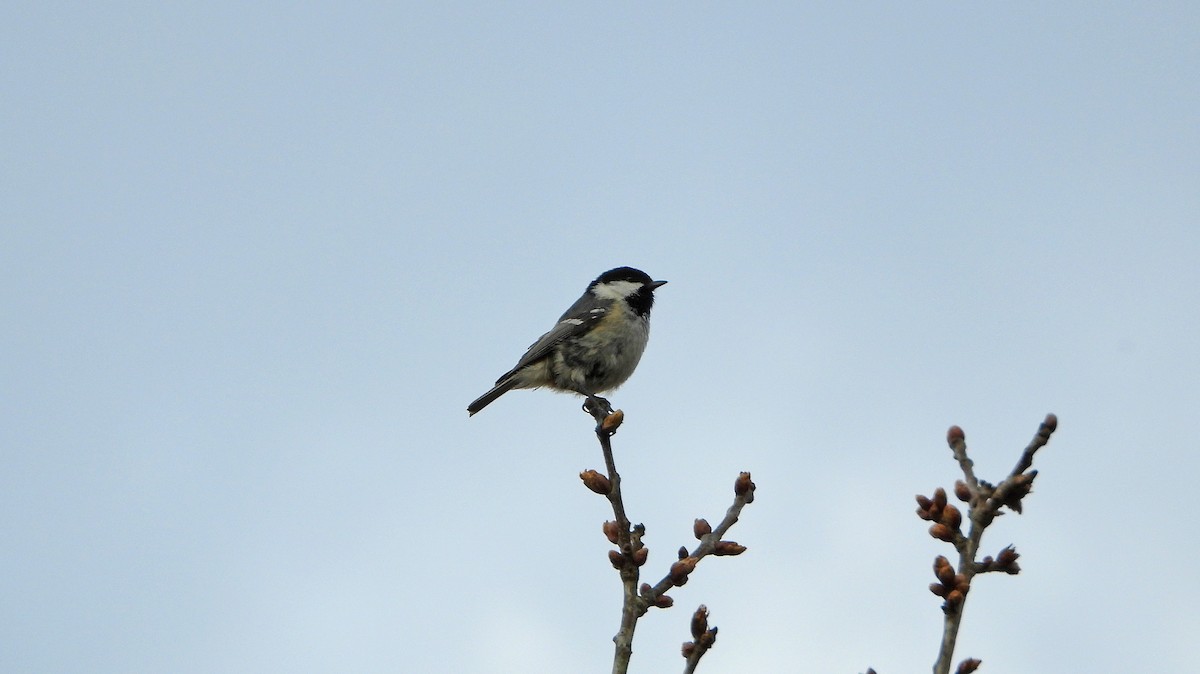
(1049, 425)
(631, 554)
(984, 504)
(710, 543)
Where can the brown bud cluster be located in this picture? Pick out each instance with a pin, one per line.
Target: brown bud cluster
(1021, 486)
(596, 482)
(701, 528)
(946, 517)
(1008, 556)
(951, 586)
(640, 556)
(680, 570)
(728, 548)
(682, 552)
(1005, 561)
(744, 487)
(967, 666)
(703, 635)
(663, 601)
(616, 559)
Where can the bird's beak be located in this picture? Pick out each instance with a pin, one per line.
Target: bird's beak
(655, 284)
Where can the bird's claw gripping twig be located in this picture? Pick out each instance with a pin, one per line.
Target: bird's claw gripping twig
(598, 407)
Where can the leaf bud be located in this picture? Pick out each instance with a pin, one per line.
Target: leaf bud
(596, 482)
(680, 570)
(1007, 556)
(612, 422)
(699, 621)
(955, 435)
(962, 491)
(941, 532)
(943, 570)
(961, 584)
(939, 498)
(728, 548)
(743, 486)
(967, 666)
(951, 516)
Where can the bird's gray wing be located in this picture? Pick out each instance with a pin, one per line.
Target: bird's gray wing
(580, 318)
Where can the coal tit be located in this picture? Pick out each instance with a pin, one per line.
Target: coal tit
(595, 345)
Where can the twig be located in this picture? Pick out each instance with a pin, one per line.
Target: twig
(631, 554)
(629, 569)
(710, 542)
(984, 504)
(704, 637)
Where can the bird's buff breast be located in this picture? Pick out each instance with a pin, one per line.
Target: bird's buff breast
(602, 359)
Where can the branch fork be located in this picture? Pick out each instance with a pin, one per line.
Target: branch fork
(631, 554)
(984, 503)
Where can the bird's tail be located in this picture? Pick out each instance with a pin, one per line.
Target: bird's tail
(504, 386)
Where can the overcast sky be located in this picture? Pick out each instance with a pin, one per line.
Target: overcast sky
(256, 258)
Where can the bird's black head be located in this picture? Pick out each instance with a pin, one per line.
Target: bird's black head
(633, 285)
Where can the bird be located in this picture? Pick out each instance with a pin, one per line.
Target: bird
(595, 345)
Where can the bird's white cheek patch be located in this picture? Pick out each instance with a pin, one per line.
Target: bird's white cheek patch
(616, 290)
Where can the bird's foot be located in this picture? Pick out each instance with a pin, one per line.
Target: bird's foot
(598, 407)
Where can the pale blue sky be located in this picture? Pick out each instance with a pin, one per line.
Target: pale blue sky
(256, 260)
